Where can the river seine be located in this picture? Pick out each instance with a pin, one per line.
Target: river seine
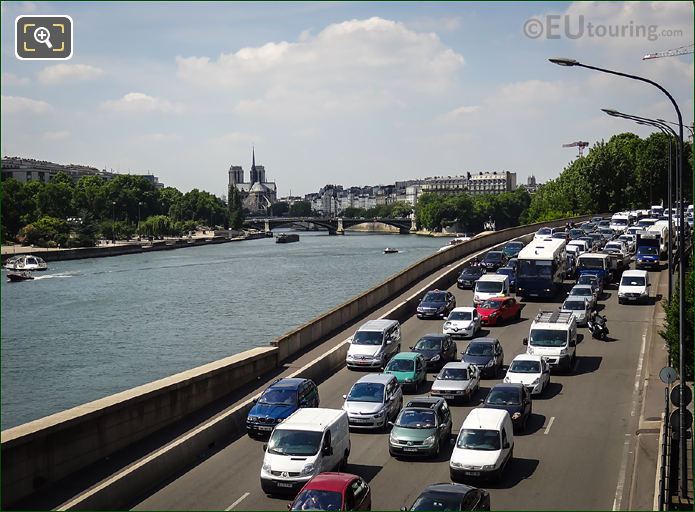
(86, 329)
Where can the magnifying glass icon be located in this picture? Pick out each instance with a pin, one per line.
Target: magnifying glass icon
(43, 36)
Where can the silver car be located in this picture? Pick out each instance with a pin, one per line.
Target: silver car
(456, 381)
(579, 308)
(584, 291)
(373, 401)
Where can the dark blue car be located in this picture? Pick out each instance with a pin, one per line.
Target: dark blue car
(511, 275)
(278, 401)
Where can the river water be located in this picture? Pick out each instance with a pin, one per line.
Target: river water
(86, 329)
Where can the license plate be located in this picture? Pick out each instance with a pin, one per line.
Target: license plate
(267, 429)
(472, 473)
(533, 295)
(284, 484)
(409, 449)
(359, 421)
(448, 397)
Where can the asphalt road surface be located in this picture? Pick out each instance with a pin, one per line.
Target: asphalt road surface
(573, 455)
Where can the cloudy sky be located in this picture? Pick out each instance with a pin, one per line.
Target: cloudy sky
(349, 93)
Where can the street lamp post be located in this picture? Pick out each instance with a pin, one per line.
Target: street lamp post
(140, 203)
(113, 223)
(681, 258)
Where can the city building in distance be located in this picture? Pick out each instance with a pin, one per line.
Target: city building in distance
(28, 169)
(257, 194)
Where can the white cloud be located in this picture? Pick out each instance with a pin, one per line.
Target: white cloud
(140, 102)
(9, 79)
(14, 104)
(353, 66)
(58, 135)
(62, 73)
(458, 113)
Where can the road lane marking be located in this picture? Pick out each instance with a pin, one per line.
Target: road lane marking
(243, 497)
(617, 501)
(550, 424)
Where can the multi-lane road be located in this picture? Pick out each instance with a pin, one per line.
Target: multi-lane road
(576, 453)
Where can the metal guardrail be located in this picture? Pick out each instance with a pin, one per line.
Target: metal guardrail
(664, 473)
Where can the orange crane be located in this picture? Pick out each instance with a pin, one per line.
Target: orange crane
(579, 144)
(681, 50)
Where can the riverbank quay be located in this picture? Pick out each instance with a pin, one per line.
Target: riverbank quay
(120, 248)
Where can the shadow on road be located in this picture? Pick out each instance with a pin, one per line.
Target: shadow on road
(517, 470)
(551, 391)
(365, 471)
(534, 423)
(587, 364)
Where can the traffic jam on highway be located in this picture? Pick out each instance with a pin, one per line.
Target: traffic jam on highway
(307, 447)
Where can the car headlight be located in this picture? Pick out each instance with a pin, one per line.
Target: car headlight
(643, 292)
(350, 357)
(563, 351)
(455, 464)
(252, 419)
(308, 469)
(266, 467)
(507, 380)
(536, 381)
(447, 324)
(516, 415)
(493, 314)
(435, 358)
(430, 440)
(379, 414)
(408, 380)
(393, 439)
(488, 467)
(490, 362)
(475, 297)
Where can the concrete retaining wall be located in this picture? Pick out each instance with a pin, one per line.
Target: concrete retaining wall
(44, 451)
(49, 449)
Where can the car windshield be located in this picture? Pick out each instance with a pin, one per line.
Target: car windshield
(367, 338)
(434, 297)
(453, 374)
(400, 365)
(491, 304)
(574, 305)
(503, 396)
(416, 418)
(493, 256)
(582, 292)
(586, 279)
(475, 439)
(460, 315)
(479, 349)
(595, 263)
(548, 338)
(294, 442)
(535, 268)
(429, 344)
(314, 499)
(366, 392)
(488, 287)
(632, 281)
(544, 231)
(444, 501)
(470, 272)
(605, 231)
(648, 250)
(525, 367)
(278, 396)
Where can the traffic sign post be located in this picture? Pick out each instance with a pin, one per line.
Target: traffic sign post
(676, 395)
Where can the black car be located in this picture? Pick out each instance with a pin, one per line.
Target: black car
(577, 233)
(513, 398)
(494, 260)
(436, 304)
(513, 263)
(486, 354)
(451, 497)
(561, 235)
(469, 276)
(512, 249)
(436, 349)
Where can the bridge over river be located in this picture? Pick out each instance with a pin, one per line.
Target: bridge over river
(335, 226)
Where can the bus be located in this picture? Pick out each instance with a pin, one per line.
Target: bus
(542, 268)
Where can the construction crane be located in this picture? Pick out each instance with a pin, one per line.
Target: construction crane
(681, 50)
(579, 144)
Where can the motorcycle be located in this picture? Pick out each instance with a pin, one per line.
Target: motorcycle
(597, 326)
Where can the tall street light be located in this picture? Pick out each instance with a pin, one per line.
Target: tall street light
(140, 203)
(113, 223)
(681, 258)
(669, 133)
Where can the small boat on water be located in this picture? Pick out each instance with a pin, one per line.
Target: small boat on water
(286, 238)
(390, 250)
(15, 277)
(25, 262)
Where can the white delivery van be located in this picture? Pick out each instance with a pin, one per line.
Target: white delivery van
(484, 446)
(634, 287)
(309, 442)
(662, 231)
(582, 244)
(490, 286)
(620, 222)
(553, 336)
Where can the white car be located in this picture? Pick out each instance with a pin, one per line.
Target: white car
(584, 291)
(456, 381)
(629, 242)
(462, 323)
(579, 308)
(531, 371)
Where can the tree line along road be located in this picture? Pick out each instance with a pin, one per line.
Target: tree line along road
(572, 456)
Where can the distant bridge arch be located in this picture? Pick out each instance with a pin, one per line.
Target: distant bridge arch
(332, 225)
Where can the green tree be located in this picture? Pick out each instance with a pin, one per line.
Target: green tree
(401, 209)
(235, 208)
(670, 333)
(301, 209)
(279, 209)
(46, 231)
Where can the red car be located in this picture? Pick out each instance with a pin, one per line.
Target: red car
(334, 491)
(499, 309)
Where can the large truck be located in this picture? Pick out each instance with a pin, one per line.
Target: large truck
(648, 250)
(661, 230)
(602, 265)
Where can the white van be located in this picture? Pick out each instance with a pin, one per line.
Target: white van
(634, 287)
(484, 446)
(374, 343)
(490, 286)
(582, 244)
(620, 222)
(662, 231)
(309, 442)
(553, 336)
